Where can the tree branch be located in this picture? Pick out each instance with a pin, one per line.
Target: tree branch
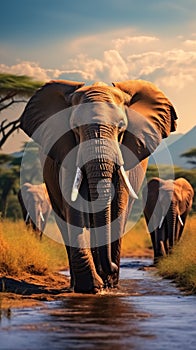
(10, 103)
(12, 126)
(9, 95)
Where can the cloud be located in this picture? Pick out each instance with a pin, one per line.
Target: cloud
(31, 69)
(190, 42)
(134, 40)
(115, 66)
(119, 56)
(88, 67)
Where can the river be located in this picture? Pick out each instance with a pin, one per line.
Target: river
(146, 313)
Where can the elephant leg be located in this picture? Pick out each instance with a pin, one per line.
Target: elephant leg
(95, 254)
(64, 231)
(158, 239)
(82, 266)
(119, 215)
(86, 278)
(68, 250)
(162, 240)
(115, 250)
(152, 235)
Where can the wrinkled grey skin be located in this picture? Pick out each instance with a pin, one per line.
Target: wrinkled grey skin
(106, 128)
(167, 204)
(35, 205)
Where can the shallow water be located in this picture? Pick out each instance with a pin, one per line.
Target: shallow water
(146, 312)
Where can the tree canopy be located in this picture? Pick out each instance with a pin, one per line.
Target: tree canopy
(190, 154)
(14, 89)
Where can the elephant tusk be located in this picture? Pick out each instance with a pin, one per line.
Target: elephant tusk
(161, 222)
(127, 183)
(41, 216)
(179, 218)
(76, 185)
(163, 248)
(27, 216)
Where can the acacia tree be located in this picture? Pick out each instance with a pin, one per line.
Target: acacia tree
(191, 155)
(9, 178)
(14, 89)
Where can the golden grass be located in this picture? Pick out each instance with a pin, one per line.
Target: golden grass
(181, 264)
(137, 242)
(21, 251)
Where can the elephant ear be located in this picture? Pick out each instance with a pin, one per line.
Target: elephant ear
(46, 117)
(151, 117)
(184, 194)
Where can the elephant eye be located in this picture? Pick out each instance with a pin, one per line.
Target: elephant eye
(121, 125)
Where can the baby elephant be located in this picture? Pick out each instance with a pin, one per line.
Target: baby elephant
(35, 205)
(166, 206)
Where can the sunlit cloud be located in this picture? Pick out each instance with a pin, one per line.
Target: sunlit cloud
(115, 65)
(190, 42)
(119, 57)
(32, 69)
(134, 40)
(88, 67)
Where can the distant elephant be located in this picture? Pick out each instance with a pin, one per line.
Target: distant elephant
(35, 205)
(95, 141)
(167, 204)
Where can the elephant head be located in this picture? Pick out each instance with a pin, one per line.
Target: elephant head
(97, 136)
(166, 206)
(35, 205)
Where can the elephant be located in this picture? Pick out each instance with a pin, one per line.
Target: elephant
(94, 144)
(166, 206)
(35, 205)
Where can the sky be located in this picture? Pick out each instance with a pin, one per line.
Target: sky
(104, 40)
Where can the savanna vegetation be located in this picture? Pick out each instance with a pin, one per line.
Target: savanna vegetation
(181, 265)
(21, 252)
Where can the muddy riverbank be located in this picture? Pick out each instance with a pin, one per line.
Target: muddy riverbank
(30, 290)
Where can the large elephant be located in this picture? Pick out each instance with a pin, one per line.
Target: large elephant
(95, 141)
(166, 206)
(35, 205)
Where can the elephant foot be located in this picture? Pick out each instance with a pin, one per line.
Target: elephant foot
(88, 284)
(111, 281)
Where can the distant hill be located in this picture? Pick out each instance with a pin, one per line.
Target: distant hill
(171, 148)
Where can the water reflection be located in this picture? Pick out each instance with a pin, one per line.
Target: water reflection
(96, 322)
(147, 312)
(5, 313)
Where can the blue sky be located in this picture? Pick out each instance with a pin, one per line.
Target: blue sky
(46, 19)
(105, 40)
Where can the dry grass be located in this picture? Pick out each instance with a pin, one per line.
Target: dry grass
(181, 264)
(21, 251)
(137, 242)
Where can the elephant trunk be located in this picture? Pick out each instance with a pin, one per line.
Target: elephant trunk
(98, 157)
(171, 224)
(99, 175)
(36, 217)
